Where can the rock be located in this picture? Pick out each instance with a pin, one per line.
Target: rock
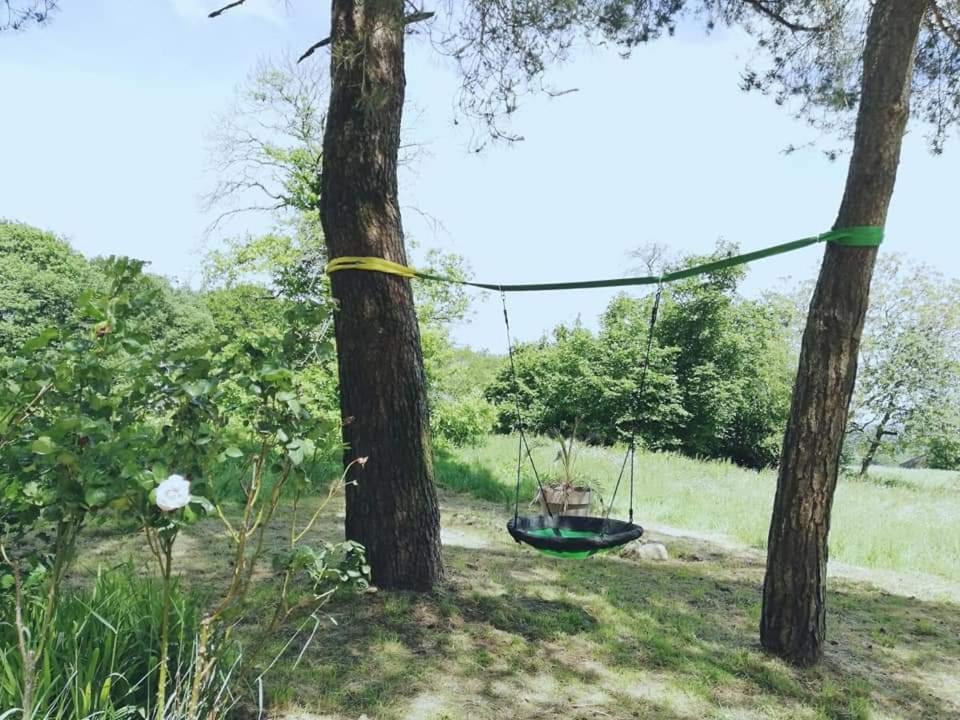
(646, 551)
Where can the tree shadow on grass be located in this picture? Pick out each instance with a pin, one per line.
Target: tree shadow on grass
(514, 634)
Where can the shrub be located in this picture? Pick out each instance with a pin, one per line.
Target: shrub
(461, 422)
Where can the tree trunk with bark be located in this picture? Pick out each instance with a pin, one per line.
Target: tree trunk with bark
(393, 508)
(793, 620)
(875, 442)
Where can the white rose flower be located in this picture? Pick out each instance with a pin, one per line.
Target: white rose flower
(173, 493)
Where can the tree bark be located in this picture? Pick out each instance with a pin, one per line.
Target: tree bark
(793, 619)
(875, 442)
(393, 509)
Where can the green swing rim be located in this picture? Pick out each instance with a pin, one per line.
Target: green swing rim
(572, 536)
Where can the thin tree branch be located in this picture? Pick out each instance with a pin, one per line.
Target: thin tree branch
(761, 7)
(408, 20)
(418, 16)
(313, 48)
(950, 29)
(221, 11)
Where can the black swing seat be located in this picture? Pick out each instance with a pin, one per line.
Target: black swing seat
(572, 536)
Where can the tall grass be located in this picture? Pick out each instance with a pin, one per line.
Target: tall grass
(901, 520)
(103, 658)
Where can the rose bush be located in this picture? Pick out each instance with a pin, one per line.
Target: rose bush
(93, 421)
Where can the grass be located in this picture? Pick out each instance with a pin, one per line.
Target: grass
(907, 521)
(515, 634)
(512, 633)
(103, 659)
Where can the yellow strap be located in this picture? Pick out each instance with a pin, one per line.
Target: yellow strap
(371, 263)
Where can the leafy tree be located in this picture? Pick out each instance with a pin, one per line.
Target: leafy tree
(557, 386)
(732, 365)
(717, 384)
(44, 280)
(658, 415)
(910, 353)
(41, 282)
(939, 436)
(578, 382)
(697, 319)
(460, 414)
(766, 365)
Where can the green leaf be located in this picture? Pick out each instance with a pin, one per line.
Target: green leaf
(202, 502)
(43, 446)
(233, 452)
(42, 340)
(95, 497)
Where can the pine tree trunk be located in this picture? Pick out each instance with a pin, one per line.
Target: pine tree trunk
(793, 620)
(393, 509)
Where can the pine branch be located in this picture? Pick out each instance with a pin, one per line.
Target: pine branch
(313, 48)
(407, 20)
(949, 28)
(761, 7)
(418, 16)
(221, 11)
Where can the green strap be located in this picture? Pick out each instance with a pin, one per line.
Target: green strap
(859, 236)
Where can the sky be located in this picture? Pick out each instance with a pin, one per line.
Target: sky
(107, 114)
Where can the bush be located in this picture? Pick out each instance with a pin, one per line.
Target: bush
(943, 452)
(461, 422)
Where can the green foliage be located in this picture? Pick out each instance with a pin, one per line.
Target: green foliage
(459, 413)
(461, 421)
(909, 361)
(86, 415)
(105, 652)
(41, 280)
(939, 436)
(733, 365)
(94, 418)
(717, 385)
(657, 414)
(555, 385)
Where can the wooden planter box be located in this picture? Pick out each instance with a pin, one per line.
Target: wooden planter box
(560, 501)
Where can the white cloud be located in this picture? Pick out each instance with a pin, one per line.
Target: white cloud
(194, 10)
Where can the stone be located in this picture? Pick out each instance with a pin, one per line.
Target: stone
(646, 550)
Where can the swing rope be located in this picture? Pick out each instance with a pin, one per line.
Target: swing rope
(575, 536)
(637, 400)
(523, 444)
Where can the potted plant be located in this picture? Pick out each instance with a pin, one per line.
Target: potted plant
(568, 494)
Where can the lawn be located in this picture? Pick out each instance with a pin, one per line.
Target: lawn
(906, 521)
(516, 634)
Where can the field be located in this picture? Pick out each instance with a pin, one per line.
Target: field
(517, 634)
(906, 521)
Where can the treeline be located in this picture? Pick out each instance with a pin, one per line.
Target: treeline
(255, 290)
(717, 385)
(721, 371)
